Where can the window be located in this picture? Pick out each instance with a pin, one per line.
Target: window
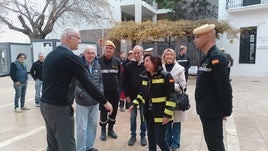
(247, 52)
(251, 2)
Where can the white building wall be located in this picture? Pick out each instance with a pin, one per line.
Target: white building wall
(245, 18)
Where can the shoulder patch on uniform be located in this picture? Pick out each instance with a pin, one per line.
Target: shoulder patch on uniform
(171, 80)
(215, 61)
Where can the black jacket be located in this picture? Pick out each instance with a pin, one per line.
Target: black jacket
(37, 70)
(132, 79)
(111, 74)
(213, 93)
(157, 95)
(61, 69)
(184, 61)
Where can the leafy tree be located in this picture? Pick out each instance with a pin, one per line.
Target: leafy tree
(36, 19)
(189, 9)
(163, 29)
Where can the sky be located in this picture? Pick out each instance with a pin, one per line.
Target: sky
(8, 35)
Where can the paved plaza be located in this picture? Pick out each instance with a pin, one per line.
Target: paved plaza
(245, 130)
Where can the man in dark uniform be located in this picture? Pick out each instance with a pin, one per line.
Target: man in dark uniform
(213, 91)
(184, 60)
(110, 69)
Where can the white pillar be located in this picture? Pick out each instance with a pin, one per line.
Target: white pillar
(138, 11)
(154, 18)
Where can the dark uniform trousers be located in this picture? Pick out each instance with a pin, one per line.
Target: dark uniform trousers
(113, 98)
(213, 131)
(157, 131)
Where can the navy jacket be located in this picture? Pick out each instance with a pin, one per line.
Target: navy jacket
(213, 93)
(157, 95)
(184, 61)
(111, 74)
(18, 72)
(62, 69)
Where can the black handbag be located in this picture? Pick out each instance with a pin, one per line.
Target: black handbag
(182, 100)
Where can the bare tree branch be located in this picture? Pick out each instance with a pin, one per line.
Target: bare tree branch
(38, 18)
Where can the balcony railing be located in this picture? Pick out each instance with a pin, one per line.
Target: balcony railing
(243, 3)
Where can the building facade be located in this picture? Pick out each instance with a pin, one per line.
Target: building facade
(249, 48)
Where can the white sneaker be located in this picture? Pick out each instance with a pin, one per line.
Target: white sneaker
(17, 110)
(37, 105)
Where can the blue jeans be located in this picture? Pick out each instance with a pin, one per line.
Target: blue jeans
(133, 124)
(38, 88)
(173, 134)
(86, 126)
(20, 92)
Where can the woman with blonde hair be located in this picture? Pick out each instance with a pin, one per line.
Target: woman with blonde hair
(173, 128)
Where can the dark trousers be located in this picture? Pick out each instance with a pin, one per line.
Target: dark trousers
(113, 98)
(60, 127)
(186, 75)
(124, 103)
(155, 132)
(213, 132)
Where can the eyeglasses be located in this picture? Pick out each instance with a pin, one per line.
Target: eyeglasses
(75, 37)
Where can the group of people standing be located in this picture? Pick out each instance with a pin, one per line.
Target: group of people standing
(149, 84)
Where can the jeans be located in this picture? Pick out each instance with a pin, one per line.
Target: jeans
(213, 132)
(173, 132)
(133, 124)
(20, 92)
(86, 126)
(59, 122)
(38, 89)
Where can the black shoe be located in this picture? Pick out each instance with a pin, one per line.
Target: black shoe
(143, 141)
(112, 134)
(174, 148)
(132, 140)
(103, 136)
(93, 149)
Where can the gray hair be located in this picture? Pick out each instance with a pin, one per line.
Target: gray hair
(41, 54)
(68, 31)
(90, 47)
(138, 47)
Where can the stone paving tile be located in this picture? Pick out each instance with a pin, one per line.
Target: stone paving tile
(245, 130)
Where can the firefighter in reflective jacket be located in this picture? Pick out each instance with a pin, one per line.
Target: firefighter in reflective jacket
(157, 96)
(110, 68)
